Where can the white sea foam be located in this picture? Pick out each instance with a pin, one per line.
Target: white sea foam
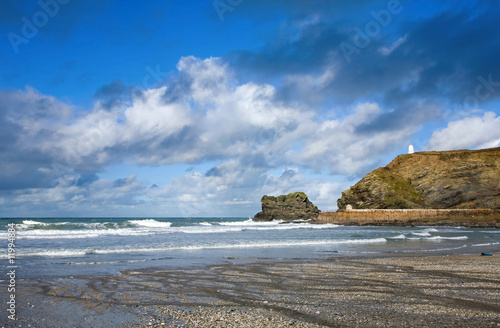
(137, 231)
(250, 222)
(58, 234)
(430, 229)
(222, 227)
(435, 238)
(207, 229)
(401, 236)
(276, 225)
(430, 250)
(99, 225)
(422, 234)
(84, 233)
(33, 225)
(425, 232)
(486, 244)
(28, 224)
(105, 262)
(54, 253)
(93, 229)
(447, 238)
(150, 223)
(247, 245)
(31, 222)
(292, 226)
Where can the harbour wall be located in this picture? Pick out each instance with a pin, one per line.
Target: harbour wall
(401, 217)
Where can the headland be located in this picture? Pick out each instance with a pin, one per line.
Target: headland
(449, 188)
(458, 179)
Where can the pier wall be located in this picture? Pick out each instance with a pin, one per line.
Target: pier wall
(448, 217)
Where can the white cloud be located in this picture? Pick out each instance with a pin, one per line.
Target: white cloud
(244, 126)
(344, 148)
(210, 77)
(235, 188)
(469, 133)
(215, 119)
(149, 118)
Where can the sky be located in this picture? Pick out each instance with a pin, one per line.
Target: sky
(199, 108)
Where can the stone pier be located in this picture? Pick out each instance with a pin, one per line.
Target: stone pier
(442, 217)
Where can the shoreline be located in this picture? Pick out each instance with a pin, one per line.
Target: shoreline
(459, 290)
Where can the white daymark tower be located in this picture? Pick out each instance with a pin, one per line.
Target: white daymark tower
(410, 149)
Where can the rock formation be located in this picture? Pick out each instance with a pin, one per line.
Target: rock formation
(441, 180)
(294, 206)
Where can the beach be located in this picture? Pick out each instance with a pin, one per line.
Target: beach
(456, 290)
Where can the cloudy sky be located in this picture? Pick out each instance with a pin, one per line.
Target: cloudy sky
(198, 108)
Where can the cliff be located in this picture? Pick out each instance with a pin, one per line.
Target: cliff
(294, 206)
(462, 179)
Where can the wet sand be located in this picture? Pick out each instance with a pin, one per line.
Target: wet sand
(441, 291)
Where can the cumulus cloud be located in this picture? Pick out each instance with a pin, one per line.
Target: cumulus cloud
(346, 147)
(28, 121)
(469, 133)
(215, 119)
(210, 117)
(237, 188)
(113, 94)
(79, 195)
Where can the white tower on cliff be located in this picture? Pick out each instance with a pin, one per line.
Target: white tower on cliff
(410, 149)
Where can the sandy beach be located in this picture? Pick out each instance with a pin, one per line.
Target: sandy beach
(440, 291)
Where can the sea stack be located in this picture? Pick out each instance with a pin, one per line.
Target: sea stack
(291, 207)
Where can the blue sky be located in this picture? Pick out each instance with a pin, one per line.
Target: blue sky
(170, 108)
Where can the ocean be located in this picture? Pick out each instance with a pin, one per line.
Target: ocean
(61, 247)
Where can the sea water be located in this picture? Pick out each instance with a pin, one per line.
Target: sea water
(59, 247)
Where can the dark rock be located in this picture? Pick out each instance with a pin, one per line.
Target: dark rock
(464, 179)
(294, 206)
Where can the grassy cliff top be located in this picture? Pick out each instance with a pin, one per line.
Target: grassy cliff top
(434, 179)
